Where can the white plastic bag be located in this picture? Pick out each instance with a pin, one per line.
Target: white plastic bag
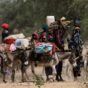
(50, 19)
(19, 43)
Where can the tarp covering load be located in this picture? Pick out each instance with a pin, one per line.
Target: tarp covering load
(10, 39)
(43, 47)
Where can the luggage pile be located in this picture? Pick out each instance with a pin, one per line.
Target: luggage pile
(10, 39)
(17, 41)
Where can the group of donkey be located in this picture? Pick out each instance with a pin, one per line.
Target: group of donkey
(24, 57)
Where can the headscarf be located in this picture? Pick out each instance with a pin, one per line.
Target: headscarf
(35, 35)
(5, 26)
(45, 27)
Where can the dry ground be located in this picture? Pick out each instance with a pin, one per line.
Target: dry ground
(47, 85)
(69, 83)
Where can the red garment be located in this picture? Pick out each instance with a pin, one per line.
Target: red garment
(35, 42)
(50, 36)
(35, 36)
(43, 35)
(9, 40)
(54, 49)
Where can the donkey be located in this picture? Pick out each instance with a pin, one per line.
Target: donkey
(11, 60)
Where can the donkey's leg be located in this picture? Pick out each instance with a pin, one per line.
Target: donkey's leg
(32, 67)
(27, 77)
(23, 78)
(13, 75)
(4, 74)
(75, 73)
(55, 61)
(47, 73)
(4, 77)
(26, 74)
(59, 71)
(85, 68)
(23, 73)
(3, 68)
(13, 71)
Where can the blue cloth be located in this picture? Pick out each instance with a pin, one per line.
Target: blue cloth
(75, 40)
(43, 48)
(45, 27)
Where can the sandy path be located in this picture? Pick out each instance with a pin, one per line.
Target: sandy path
(47, 85)
(68, 83)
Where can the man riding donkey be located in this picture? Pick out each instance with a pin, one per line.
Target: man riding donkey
(48, 55)
(58, 33)
(47, 37)
(75, 44)
(54, 34)
(12, 54)
(3, 54)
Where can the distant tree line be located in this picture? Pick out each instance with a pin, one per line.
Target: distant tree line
(26, 14)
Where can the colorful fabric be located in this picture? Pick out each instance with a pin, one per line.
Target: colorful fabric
(9, 41)
(58, 39)
(51, 38)
(43, 47)
(43, 35)
(75, 40)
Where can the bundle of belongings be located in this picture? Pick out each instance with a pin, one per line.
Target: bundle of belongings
(51, 38)
(58, 23)
(43, 47)
(17, 41)
(10, 39)
(42, 51)
(22, 43)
